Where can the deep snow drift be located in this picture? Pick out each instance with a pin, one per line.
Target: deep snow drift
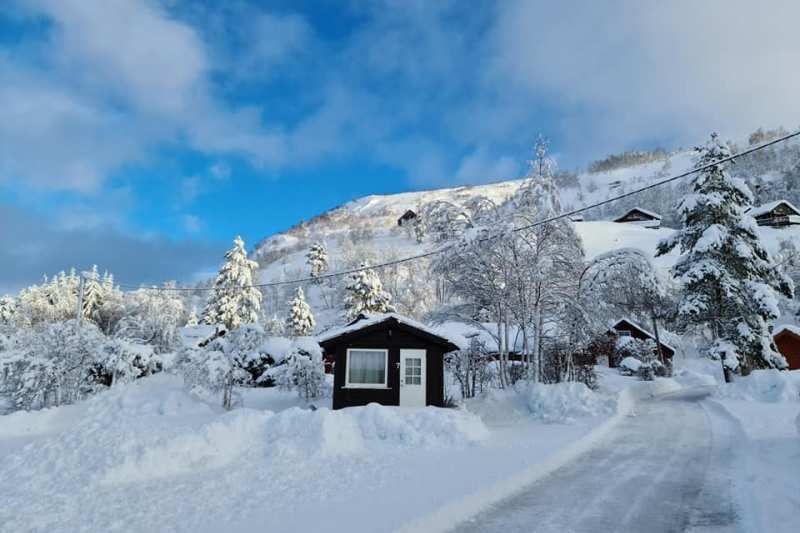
(148, 456)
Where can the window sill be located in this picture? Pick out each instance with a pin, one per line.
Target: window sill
(366, 387)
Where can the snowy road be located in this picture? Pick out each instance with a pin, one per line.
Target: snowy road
(662, 470)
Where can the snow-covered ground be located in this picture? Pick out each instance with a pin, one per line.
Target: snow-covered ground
(149, 457)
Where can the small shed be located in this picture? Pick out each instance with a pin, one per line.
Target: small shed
(778, 213)
(640, 217)
(787, 339)
(406, 217)
(628, 328)
(387, 359)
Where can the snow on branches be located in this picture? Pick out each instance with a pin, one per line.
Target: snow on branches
(730, 282)
(317, 260)
(301, 321)
(365, 294)
(234, 301)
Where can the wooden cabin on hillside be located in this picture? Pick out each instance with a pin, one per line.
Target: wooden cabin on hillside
(387, 359)
(776, 214)
(787, 339)
(640, 217)
(627, 328)
(407, 217)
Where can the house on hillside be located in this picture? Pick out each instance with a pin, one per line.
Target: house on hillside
(627, 328)
(776, 214)
(407, 217)
(640, 217)
(787, 339)
(387, 359)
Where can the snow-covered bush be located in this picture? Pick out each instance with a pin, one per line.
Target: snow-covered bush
(236, 358)
(126, 360)
(302, 369)
(471, 367)
(53, 364)
(153, 316)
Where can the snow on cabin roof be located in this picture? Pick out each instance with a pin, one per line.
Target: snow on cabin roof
(764, 209)
(643, 330)
(367, 320)
(787, 327)
(644, 211)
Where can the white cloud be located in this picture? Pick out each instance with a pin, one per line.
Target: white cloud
(626, 72)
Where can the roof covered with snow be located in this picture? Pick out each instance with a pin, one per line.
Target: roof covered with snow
(787, 327)
(644, 331)
(764, 209)
(640, 210)
(368, 320)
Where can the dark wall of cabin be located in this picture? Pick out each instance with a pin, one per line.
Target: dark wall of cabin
(392, 338)
(789, 345)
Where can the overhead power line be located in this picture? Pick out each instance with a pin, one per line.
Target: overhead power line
(548, 220)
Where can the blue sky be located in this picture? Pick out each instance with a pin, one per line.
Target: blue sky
(143, 134)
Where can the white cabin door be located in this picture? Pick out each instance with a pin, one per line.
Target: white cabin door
(412, 378)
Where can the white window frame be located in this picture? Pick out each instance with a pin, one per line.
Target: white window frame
(384, 385)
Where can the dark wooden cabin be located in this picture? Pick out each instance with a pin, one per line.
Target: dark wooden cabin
(776, 214)
(387, 359)
(627, 328)
(787, 339)
(406, 217)
(641, 217)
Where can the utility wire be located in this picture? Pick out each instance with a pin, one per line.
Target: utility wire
(514, 230)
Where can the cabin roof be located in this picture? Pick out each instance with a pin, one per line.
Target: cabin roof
(367, 321)
(651, 214)
(642, 330)
(765, 209)
(795, 330)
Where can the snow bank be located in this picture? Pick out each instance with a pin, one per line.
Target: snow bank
(153, 429)
(764, 386)
(351, 431)
(556, 403)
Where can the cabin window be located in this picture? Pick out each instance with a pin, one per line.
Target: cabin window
(366, 368)
(624, 333)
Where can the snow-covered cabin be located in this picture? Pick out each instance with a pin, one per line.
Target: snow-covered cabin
(406, 217)
(777, 213)
(628, 328)
(641, 217)
(387, 359)
(787, 339)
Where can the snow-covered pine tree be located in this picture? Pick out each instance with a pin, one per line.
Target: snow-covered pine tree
(365, 294)
(729, 281)
(92, 294)
(301, 321)
(193, 320)
(317, 260)
(234, 300)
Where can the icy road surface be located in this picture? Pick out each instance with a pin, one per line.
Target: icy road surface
(662, 470)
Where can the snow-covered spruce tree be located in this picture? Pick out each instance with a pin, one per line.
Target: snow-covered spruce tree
(317, 260)
(92, 294)
(729, 282)
(365, 294)
(301, 321)
(234, 300)
(192, 320)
